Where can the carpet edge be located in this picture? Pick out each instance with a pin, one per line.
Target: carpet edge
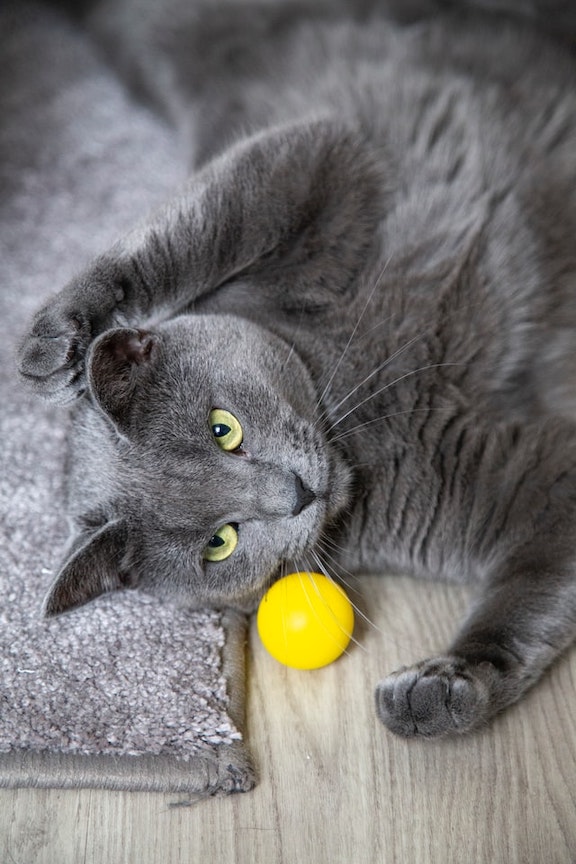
(221, 769)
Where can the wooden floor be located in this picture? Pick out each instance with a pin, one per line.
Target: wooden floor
(337, 787)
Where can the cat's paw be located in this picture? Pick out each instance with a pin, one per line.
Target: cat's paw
(442, 696)
(51, 356)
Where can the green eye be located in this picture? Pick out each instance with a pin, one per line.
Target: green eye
(226, 429)
(222, 544)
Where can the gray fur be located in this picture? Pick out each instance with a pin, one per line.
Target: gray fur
(372, 267)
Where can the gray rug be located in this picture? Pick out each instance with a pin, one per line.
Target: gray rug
(125, 693)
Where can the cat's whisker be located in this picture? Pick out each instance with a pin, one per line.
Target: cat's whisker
(293, 345)
(387, 386)
(393, 636)
(325, 570)
(378, 369)
(328, 541)
(361, 426)
(353, 333)
(323, 415)
(327, 605)
(395, 355)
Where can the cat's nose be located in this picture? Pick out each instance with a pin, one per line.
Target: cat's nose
(304, 496)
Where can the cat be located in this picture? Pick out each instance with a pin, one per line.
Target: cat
(348, 344)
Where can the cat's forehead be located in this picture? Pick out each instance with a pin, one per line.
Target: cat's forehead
(202, 363)
(214, 340)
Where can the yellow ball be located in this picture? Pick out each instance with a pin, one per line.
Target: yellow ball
(305, 620)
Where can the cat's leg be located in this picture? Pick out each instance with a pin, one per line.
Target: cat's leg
(522, 529)
(292, 211)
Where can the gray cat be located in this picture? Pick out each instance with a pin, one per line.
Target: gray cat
(349, 343)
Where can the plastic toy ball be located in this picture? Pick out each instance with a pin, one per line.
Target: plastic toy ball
(305, 620)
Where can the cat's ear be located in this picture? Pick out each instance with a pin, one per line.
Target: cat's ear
(93, 568)
(118, 361)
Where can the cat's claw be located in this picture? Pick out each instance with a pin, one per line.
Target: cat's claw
(51, 357)
(443, 696)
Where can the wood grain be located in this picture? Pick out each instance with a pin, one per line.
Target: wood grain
(337, 787)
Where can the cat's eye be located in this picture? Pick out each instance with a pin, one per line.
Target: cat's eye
(222, 544)
(226, 429)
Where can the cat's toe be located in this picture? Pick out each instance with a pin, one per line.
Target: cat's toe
(51, 357)
(434, 698)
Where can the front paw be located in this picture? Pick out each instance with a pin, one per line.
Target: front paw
(443, 696)
(51, 356)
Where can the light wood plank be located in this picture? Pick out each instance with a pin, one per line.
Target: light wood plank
(337, 787)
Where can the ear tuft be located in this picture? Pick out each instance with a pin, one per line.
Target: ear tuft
(129, 346)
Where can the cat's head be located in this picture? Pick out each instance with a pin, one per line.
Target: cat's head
(200, 466)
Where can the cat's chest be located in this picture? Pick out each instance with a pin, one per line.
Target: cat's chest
(389, 425)
(392, 522)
